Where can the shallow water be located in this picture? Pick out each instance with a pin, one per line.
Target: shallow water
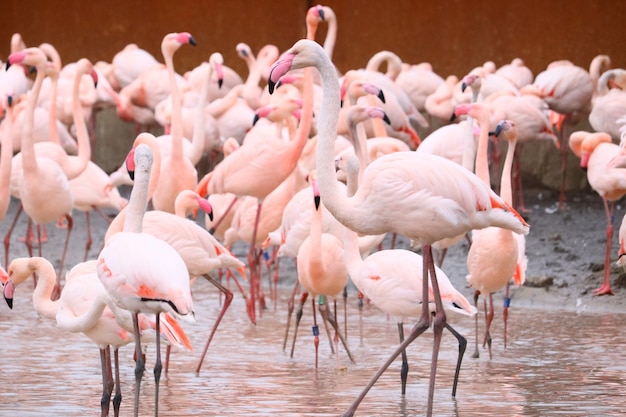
(555, 364)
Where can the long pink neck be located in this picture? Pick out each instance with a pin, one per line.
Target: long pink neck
(79, 163)
(29, 161)
(177, 125)
(506, 189)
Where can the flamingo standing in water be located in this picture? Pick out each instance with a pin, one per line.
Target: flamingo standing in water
(143, 274)
(596, 150)
(387, 278)
(431, 197)
(85, 307)
(44, 187)
(492, 258)
(322, 271)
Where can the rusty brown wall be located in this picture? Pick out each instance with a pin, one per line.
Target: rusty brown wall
(453, 35)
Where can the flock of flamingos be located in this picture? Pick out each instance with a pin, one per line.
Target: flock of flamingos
(304, 162)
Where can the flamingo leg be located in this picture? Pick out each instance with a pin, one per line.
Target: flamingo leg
(323, 307)
(7, 237)
(89, 241)
(404, 371)
(462, 345)
(252, 258)
(325, 322)
(117, 399)
(290, 307)
(140, 362)
(345, 311)
(157, 365)
(418, 329)
(605, 289)
(316, 331)
(228, 297)
(563, 147)
(107, 381)
(488, 320)
(303, 298)
(505, 310)
(360, 297)
(476, 353)
(438, 325)
(57, 287)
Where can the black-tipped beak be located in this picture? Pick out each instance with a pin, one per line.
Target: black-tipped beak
(8, 65)
(453, 117)
(463, 86)
(381, 96)
(220, 82)
(9, 302)
(10, 100)
(321, 12)
(386, 119)
(256, 119)
(316, 199)
(210, 214)
(271, 85)
(498, 130)
(131, 174)
(192, 41)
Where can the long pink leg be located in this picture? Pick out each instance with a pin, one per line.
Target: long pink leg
(420, 327)
(605, 289)
(7, 237)
(57, 288)
(290, 307)
(107, 381)
(228, 297)
(303, 298)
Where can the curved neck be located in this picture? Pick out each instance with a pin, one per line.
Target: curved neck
(333, 197)
(29, 161)
(44, 306)
(197, 140)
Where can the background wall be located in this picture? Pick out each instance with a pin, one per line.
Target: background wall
(454, 35)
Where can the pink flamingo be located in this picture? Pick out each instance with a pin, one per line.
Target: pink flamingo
(493, 255)
(200, 251)
(186, 176)
(387, 278)
(610, 103)
(43, 188)
(322, 273)
(85, 307)
(143, 274)
(567, 89)
(257, 168)
(6, 155)
(595, 151)
(458, 201)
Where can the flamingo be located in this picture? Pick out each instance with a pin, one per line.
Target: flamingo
(453, 200)
(322, 272)
(610, 103)
(387, 279)
(43, 188)
(186, 176)
(274, 160)
(567, 89)
(143, 274)
(201, 252)
(595, 151)
(493, 255)
(85, 307)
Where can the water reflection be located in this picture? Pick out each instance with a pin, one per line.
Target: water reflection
(556, 364)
